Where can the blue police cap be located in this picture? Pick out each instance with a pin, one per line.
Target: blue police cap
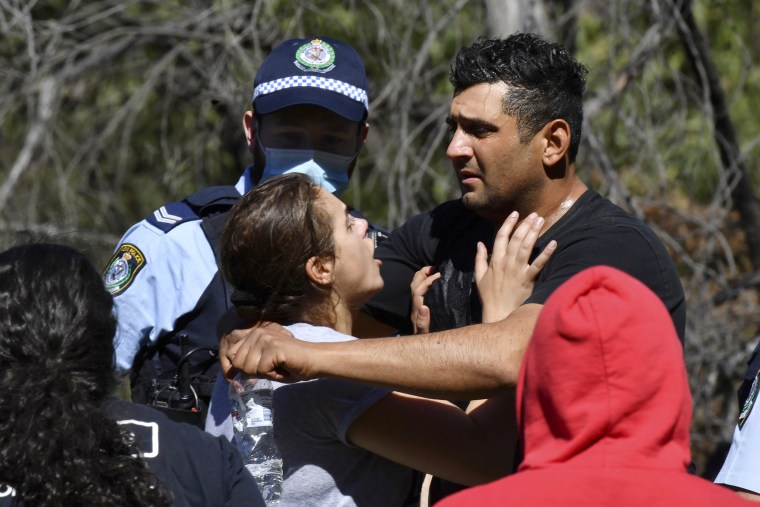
(319, 71)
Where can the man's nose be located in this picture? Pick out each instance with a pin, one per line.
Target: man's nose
(458, 146)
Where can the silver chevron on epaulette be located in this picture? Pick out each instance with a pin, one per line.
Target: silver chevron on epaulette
(165, 217)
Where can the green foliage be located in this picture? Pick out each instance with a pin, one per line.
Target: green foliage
(159, 116)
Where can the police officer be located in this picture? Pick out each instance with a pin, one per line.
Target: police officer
(308, 115)
(739, 471)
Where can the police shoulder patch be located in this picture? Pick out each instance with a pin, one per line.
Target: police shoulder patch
(123, 268)
(751, 398)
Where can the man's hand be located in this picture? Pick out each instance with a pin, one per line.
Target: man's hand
(267, 351)
(421, 282)
(507, 281)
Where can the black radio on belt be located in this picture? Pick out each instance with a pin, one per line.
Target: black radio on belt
(181, 394)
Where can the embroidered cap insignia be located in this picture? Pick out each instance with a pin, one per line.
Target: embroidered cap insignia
(317, 56)
(123, 268)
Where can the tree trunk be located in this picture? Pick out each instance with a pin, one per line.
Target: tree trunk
(742, 191)
(506, 17)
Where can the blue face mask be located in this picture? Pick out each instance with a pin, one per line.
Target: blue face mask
(328, 170)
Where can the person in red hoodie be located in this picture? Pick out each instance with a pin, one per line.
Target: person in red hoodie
(603, 405)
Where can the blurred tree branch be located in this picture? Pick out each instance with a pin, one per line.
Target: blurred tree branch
(739, 181)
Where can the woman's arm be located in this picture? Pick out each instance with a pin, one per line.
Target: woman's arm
(438, 438)
(435, 436)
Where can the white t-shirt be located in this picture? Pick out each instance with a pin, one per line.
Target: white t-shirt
(311, 419)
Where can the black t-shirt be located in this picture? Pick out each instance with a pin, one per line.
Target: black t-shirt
(199, 469)
(593, 232)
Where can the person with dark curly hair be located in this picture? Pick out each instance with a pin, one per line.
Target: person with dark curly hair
(63, 439)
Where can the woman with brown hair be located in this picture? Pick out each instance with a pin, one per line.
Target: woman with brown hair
(297, 257)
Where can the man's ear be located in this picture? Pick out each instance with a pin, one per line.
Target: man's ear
(363, 131)
(557, 136)
(363, 134)
(249, 127)
(319, 270)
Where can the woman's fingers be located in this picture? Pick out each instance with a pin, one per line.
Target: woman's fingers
(420, 285)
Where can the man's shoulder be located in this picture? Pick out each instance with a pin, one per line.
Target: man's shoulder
(162, 226)
(204, 203)
(593, 212)
(170, 238)
(594, 206)
(604, 232)
(171, 215)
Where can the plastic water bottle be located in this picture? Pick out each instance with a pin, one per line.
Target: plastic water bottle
(251, 408)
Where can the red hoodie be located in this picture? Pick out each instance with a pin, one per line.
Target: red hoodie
(603, 405)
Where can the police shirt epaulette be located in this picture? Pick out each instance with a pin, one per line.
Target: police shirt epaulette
(170, 215)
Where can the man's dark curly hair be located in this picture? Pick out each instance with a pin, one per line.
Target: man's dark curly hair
(56, 369)
(545, 82)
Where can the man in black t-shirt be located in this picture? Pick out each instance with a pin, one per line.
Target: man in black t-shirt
(592, 232)
(515, 122)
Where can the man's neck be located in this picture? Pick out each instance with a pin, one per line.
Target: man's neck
(556, 200)
(562, 204)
